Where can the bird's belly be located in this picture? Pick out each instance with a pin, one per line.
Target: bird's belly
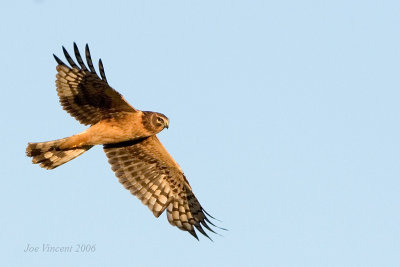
(109, 132)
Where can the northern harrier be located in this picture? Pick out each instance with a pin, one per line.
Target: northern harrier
(128, 136)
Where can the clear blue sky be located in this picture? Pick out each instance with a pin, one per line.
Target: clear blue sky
(284, 115)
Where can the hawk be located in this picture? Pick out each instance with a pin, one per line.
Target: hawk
(128, 136)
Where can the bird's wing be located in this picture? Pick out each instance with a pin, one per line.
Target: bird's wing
(148, 171)
(83, 94)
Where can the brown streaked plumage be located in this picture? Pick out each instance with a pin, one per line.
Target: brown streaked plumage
(128, 135)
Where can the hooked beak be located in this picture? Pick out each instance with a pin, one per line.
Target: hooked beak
(166, 124)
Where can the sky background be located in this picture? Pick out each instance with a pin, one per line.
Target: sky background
(284, 115)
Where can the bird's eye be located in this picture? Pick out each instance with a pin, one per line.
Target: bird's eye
(159, 119)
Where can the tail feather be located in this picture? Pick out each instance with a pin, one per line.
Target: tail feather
(49, 154)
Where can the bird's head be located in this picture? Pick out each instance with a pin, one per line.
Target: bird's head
(161, 121)
(154, 122)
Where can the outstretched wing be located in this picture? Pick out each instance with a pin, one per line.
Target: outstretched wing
(147, 170)
(85, 95)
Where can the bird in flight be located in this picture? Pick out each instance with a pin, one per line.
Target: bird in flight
(128, 136)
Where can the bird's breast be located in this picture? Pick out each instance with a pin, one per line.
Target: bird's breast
(124, 127)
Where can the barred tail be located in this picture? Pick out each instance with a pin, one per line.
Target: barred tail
(50, 155)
